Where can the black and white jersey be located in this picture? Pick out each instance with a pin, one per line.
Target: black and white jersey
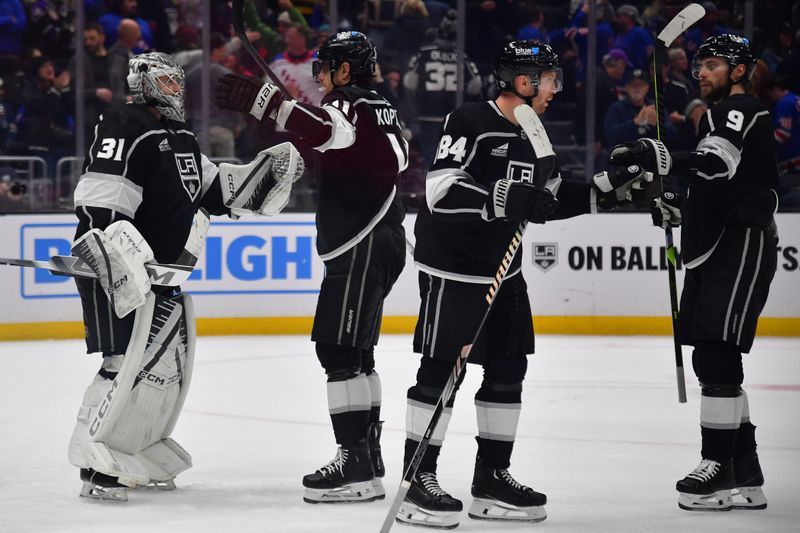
(358, 134)
(149, 171)
(731, 174)
(431, 76)
(455, 239)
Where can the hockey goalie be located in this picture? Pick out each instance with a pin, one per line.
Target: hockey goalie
(143, 196)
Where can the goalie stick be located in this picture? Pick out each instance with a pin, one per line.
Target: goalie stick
(688, 16)
(169, 275)
(534, 130)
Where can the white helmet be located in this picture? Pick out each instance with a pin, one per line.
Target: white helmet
(149, 78)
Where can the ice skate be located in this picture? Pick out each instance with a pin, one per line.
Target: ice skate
(102, 487)
(346, 479)
(707, 487)
(374, 441)
(428, 505)
(749, 480)
(498, 496)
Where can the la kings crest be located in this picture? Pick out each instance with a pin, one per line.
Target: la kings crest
(190, 174)
(545, 255)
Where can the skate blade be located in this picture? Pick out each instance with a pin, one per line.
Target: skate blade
(482, 509)
(413, 515)
(108, 494)
(158, 486)
(717, 501)
(377, 485)
(351, 493)
(749, 498)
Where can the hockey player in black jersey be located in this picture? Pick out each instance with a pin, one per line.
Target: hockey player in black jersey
(359, 237)
(484, 181)
(728, 245)
(143, 196)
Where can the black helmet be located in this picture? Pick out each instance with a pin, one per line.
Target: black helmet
(351, 47)
(448, 27)
(524, 57)
(734, 49)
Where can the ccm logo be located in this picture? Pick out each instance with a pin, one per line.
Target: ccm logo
(117, 284)
(101, 412)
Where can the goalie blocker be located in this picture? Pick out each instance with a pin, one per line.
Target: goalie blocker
(122, 436)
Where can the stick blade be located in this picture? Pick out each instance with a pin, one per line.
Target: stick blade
(533, 128)
(688, 16)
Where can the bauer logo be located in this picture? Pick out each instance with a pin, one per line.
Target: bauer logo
(241, 257)
(545, 255)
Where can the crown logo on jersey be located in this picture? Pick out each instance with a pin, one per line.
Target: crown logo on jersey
(164, 146)
(500, 151)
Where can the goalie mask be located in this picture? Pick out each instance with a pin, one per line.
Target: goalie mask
(529, 58)
(156, 79)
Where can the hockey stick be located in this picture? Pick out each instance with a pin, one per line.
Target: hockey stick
(688, 16)
(238, 27)
(534, 130)
(169, 275)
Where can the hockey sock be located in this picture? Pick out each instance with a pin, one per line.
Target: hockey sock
(349, 406)
(428, 463)
(746, 436)
(375, 390)
(497, 406)
(720, 417)
(421, 402)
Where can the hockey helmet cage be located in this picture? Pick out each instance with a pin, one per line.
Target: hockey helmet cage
(156, 79)
(732, 48)
(448, 27)
(525, 57)
(351, 47)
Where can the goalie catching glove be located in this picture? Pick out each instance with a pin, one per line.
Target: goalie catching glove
(263, 186)
(117, 256)
(666, 210)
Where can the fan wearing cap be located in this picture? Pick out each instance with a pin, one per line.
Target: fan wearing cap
(635, 115)
(633, 38)
(728, 246)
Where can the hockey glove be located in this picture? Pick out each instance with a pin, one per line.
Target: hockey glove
(517, 201)
(248, 95)
(117, 256)
(617, 188)
(666, 210)
(649, 154)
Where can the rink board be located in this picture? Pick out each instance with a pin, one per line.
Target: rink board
(596, 274)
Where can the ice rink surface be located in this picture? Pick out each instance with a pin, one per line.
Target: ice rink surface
(601, 433)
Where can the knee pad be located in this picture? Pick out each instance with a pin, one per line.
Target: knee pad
(124, 425)
(717, 363)
(340, 362)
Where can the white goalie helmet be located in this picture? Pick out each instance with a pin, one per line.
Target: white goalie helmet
(156, 79)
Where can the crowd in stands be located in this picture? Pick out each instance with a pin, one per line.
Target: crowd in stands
(416, 45)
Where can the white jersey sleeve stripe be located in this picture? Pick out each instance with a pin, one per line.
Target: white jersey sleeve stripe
(399, 151)
(723, 149)
(438, 183)
(108, 191)
(343, 132)
(210, 171)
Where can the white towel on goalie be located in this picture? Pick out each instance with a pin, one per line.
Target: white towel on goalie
(263, 186)
(117, 255)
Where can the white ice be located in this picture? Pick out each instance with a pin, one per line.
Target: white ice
(601, 433)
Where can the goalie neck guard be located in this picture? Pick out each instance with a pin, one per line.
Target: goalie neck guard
(156, 79)
(351, 47)
(529, 58)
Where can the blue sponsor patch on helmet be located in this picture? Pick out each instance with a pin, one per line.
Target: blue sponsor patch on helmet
(535, 50)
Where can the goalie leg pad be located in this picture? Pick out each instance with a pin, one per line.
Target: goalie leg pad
(127, 434)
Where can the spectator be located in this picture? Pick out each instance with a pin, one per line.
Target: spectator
(43, 123)
(786, 117)
(12, 25)
(610, 88)
(676, 97)
(126, 9)
(634, 116)
(223, 124)
(577, 34)
(707, 27)
(118, 57)
(632, 38)
(272, 40)
(96, 83)
(189, 54)
(679, 69)
(431, 79)
(321, 35)
(407, 33)
(780, 49)
(533, 29)
(50, 27)
(293, 67)
(7, 126)
(695, 110)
